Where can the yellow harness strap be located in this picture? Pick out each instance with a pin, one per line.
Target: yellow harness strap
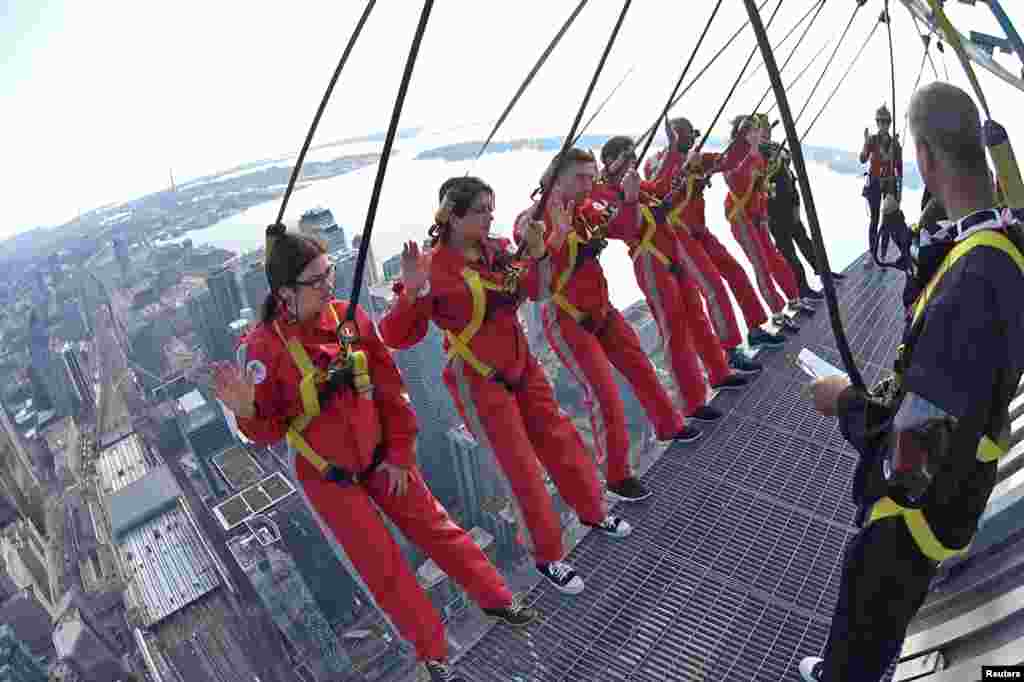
(459, 344)
(740, 204)
(311, 379)
(988, 450)
(677, 210)
(573, 241)
(646, 243)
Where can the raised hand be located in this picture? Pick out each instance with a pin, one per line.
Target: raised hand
(234, 389)
(415, 267)
(535, 238)
(631, 185)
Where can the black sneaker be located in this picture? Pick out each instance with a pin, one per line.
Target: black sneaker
(440, 672)
(733, 382)
(687, 434)
(812, 669)
(785, 324)
(613, 525)
(629, 490)
(741, 364)
(838, 276)
(800, 305)
(515, 614)
(706, 414)
(811, 295)
(760, 338)
(562, 576)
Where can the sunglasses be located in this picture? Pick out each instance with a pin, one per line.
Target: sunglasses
(324, 281)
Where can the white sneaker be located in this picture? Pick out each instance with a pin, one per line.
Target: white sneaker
(812, 669)
(562, 576)
(613, 525)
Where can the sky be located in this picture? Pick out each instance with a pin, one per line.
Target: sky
(101, 100)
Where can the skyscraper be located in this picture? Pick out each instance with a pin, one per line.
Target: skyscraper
(345, 266)
(392, 267)
(372, 275)
(254, 280)
(226, 295)
(49, 371)
(319, 222)
(81, 383)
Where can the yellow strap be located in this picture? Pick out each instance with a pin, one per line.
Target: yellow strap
(459, 345)
(296, 441)
(919, 529)
(573, 241)
(646, 243)
(571, 310)
(990, 238)
(677, 210)
(1002, 155)
(740, 204)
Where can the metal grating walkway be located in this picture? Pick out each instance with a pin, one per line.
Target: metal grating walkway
(733, 567)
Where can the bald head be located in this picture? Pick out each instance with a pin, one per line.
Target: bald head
(945, 120)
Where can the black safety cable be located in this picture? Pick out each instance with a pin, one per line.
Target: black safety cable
(842, 79)
(860, 3)
(735, 85)
(803, 71)
(917, 82)
(320, 111)
(789, 58)
(538, 213)
(805, 188)
(926, 37)
(583, 128)
(679, 82)
(721, 50)
(816, 5)
(942, 51)
(533, 72)
(346, 329)
(896, 264)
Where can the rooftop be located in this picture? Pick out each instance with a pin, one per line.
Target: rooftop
(122, 463)
(148, 497)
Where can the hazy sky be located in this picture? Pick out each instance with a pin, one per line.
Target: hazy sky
(101, 99)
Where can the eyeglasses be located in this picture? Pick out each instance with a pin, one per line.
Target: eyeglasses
(324, 281)
(480, 210)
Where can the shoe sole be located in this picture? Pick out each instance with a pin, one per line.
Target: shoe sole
(622, 498)
(691, 439)
(745, 372)
(726, 388)
(511, 624)
(698, 420)
(563, 590)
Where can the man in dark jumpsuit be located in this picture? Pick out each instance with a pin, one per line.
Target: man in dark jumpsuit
(962, 368)
(786, 227)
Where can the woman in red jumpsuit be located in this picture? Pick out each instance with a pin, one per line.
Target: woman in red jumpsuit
(746, 206)
(586, 332)
(668, 279)
(711, 261)
(470, 286)
(357, 455)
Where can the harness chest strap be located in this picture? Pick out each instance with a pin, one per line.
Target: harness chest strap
(739, 205)
(312, 378)
(573, 242)
(459, 344)
(646, 243)
(677, 211)
(988, 449)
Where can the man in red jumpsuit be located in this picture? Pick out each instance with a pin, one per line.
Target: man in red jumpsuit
(710, 260)
(668, 280)
(746, 207)
(357, 457)
(586, 332)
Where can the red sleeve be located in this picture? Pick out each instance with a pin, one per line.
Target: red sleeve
(258, 356)
(397, 419)
(408, 320)
(624, 225)
(669, 167)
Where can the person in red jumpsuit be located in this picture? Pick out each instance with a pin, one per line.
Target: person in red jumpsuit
(470, 286)
(746, 207)
(885, 170)
(711, 260)
(358, 454)
(583, 328)
(669, 279)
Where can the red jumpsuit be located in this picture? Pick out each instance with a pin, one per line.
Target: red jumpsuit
(348, 431)
(601, 337)
(673, 296)
(513, 412)
(746, 207)
(711, 260)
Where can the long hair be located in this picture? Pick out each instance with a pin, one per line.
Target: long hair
(288, 257)
(455, 197)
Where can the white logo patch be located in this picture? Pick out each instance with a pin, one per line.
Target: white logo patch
(256, 370)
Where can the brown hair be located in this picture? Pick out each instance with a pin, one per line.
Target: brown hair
(287, 257)
(455, 197)
(574, 155)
